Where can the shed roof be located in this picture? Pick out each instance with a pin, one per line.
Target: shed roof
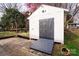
(48, 6)
(44, 5)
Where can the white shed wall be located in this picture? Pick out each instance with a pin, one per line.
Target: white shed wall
(56, 13)
(34, 28)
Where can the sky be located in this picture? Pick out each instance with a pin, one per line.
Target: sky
(23, 7)
(28, 7)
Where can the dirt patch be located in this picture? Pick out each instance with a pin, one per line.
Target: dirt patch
(19, 47)
(57, 49)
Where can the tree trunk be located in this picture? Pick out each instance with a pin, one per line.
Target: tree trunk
(26, 24)
(16, 28)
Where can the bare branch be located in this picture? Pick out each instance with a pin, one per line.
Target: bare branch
(3, 6)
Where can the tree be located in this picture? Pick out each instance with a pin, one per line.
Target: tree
(27, 14)
(13, 18)
(73, 11)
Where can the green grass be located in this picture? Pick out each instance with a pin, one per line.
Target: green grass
(11, 33)
(26, 34)
(72, 43)
(7, 33)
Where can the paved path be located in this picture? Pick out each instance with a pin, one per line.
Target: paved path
(18, 47)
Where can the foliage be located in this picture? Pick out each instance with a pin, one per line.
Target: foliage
(11, 17)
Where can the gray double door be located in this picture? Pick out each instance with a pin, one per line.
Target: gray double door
(46, 28)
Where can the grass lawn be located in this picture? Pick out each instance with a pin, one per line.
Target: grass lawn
(7, 33)
(72, 42)
(25, 34)
(11, 33)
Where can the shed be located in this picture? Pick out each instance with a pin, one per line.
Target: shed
(47, 22)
